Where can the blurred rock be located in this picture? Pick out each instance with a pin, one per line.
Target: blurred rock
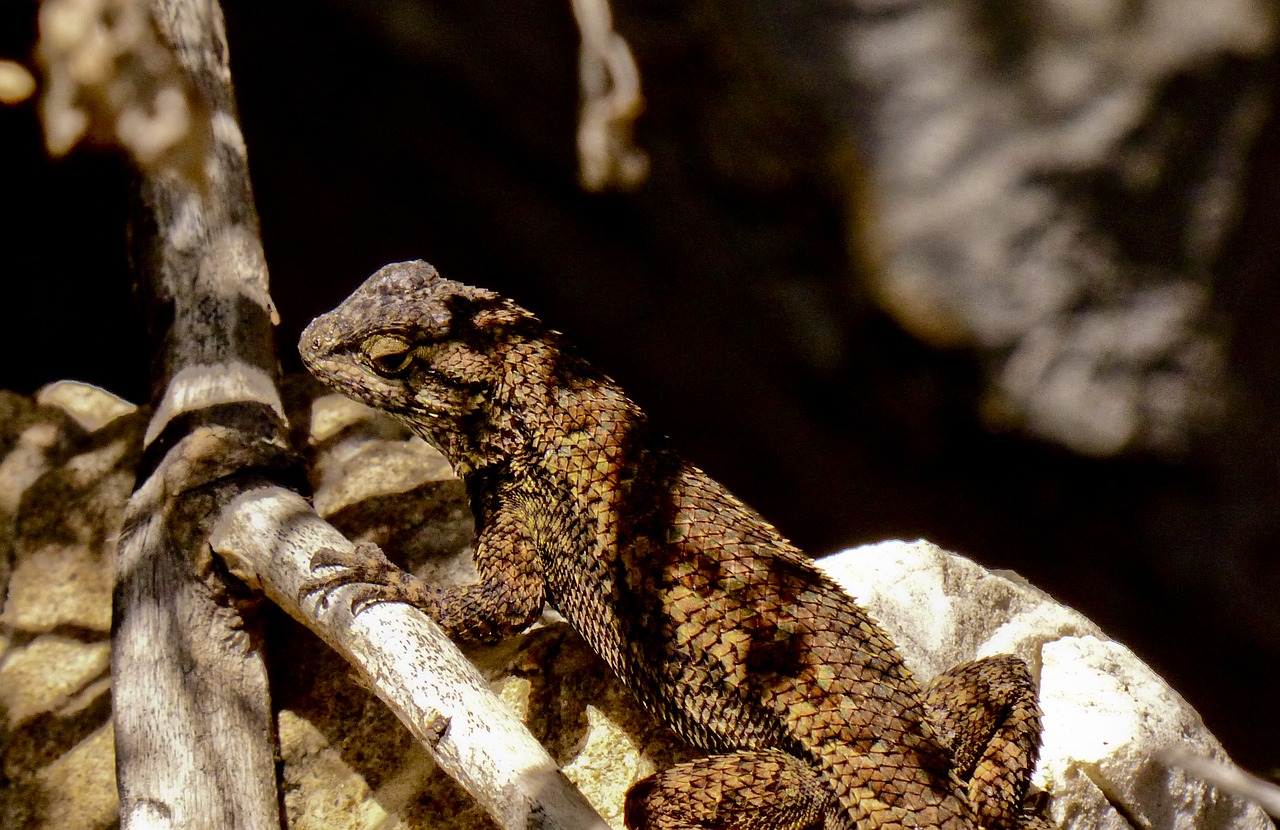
(1051, 186)
(67, 469)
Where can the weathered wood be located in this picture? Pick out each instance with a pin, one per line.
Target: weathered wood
(193, 723)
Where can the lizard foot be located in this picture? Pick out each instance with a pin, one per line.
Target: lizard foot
(373, 578)
(765, 789)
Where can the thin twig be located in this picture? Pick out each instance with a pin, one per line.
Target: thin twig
(1226, 777)
(611, 102)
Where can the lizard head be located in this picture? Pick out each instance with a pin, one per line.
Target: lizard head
(428, 350)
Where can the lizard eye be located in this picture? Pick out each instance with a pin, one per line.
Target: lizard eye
(388, 355)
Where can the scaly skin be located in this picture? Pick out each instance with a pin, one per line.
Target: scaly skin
(717, 624)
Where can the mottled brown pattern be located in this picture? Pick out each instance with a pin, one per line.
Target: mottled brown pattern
(719, 626)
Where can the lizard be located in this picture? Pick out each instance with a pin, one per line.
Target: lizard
(718, 625)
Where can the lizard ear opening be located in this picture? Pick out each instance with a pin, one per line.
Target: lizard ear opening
(388, 355)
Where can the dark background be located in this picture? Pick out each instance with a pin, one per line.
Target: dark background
(722, 295)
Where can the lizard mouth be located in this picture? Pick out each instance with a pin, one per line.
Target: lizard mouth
(346, 376)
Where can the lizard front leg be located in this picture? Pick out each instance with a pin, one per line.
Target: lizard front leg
(506, 600)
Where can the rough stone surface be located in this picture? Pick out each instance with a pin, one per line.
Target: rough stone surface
(47, 673)
(376, 483)
(92, 407)
(80, 785)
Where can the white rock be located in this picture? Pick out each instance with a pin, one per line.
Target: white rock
(1106, 714)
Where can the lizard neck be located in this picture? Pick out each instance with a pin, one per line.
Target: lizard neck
(550, 409)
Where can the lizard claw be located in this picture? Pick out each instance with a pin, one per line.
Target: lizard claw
(363, 553)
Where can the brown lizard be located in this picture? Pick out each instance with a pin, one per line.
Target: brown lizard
(718, 625)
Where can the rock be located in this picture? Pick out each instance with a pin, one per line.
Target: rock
(377, 483)
(1107, 715)
(91, 406)
(67, 470)
(1054, 188)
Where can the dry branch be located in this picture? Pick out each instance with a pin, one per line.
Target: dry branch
(193, 724)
